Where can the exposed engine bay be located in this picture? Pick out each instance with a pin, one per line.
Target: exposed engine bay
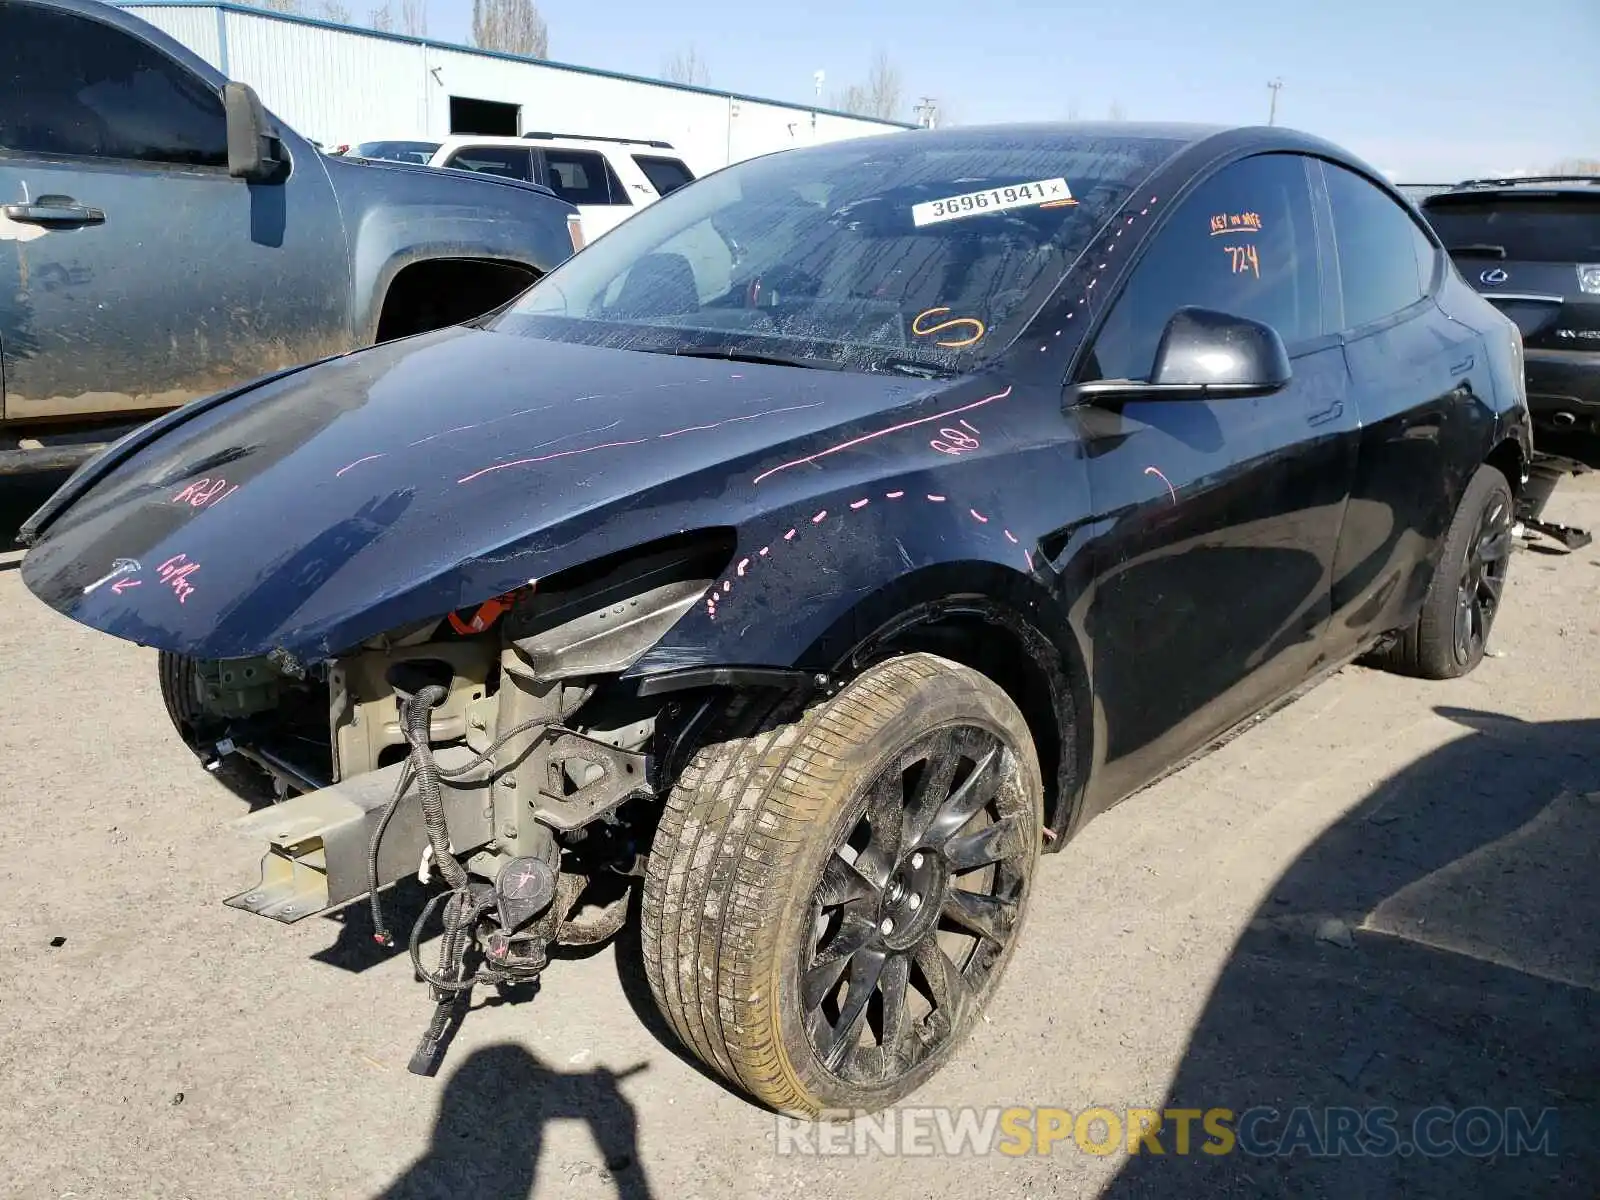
(496, 750)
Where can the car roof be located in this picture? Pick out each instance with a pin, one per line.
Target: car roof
(639, 145)
(1522, 185)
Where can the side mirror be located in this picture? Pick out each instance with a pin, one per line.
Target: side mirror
(1203, 355)
(254, 151)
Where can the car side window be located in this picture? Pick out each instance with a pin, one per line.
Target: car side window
(1386, 262)
(511, 162)
(1243, 243)
(665, 174)
(75, 86)
(577, 176)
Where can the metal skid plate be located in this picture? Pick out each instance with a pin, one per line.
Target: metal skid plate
(317, 844)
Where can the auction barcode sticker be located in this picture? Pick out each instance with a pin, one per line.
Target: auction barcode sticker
(1016, 195)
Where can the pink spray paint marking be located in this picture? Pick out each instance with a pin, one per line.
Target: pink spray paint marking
(867, 437)
(175, 573)
(672, 433)
(1172, 492)
(357, 463)
(746, 565)
(205, 491)
(955, 442)
(123, 585)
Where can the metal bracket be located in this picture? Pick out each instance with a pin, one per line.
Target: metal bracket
(317, 844)
(623, 775)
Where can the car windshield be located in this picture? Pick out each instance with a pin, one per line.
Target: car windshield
(1563, 229)
(915, 252)
(408, 152)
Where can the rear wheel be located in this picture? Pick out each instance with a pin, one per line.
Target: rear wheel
(1452, 630)
(833, 894)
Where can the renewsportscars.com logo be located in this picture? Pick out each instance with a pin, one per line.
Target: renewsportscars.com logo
(1261, 1132)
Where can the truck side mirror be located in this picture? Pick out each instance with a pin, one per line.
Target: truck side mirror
(254, 150)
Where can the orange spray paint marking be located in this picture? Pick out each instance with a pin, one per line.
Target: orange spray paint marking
(918, 328)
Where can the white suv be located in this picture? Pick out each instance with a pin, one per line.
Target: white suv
(608, 178)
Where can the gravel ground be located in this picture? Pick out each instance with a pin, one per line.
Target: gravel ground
(1383, 895)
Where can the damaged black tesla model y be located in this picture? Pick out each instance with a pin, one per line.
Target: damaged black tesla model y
(797, 562)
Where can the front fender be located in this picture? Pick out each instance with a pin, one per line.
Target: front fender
(807, 582)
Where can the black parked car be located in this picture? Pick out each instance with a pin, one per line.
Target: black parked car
(1531, 246)
(820, 546)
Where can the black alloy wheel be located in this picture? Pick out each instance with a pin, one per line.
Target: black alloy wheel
(915, 906)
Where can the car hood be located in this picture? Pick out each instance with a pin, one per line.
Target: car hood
(329, 505)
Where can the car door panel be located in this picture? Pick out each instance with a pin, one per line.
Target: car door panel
(1216, 521)
(182, 279)
(1220, 522)
(1416, 377)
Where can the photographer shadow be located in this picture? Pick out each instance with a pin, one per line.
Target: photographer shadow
(1437, 946)
(491, 1126)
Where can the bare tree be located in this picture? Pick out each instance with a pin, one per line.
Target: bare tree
(381, 19)
(1116, 112)
(1576, 166)
(414, 18)
(510, 26)
(881, 96)
(291, 7)
(687, 66)
(334, 11)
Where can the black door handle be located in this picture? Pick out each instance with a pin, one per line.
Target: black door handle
(55, 210)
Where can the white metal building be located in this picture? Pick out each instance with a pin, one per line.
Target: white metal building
(339, 83)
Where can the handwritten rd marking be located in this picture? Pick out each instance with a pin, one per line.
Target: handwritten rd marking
(867, 437)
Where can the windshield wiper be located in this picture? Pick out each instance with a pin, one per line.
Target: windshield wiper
(920, 368)
(749, 356)
(1480, 250)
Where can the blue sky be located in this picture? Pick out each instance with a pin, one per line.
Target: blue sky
(1428, 89)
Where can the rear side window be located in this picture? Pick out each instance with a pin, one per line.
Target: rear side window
(1561, 229)
(665, 174)
(579, 177)
(1386, 262)
(512, 162)
(74, 86)
(1242, 243)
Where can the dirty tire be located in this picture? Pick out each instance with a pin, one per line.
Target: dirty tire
(1468, 586)
(178, 690)
(796, 837)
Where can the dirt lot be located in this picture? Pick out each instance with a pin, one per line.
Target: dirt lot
(170, 1046)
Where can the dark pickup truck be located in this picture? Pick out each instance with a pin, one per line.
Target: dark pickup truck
(163, 237)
